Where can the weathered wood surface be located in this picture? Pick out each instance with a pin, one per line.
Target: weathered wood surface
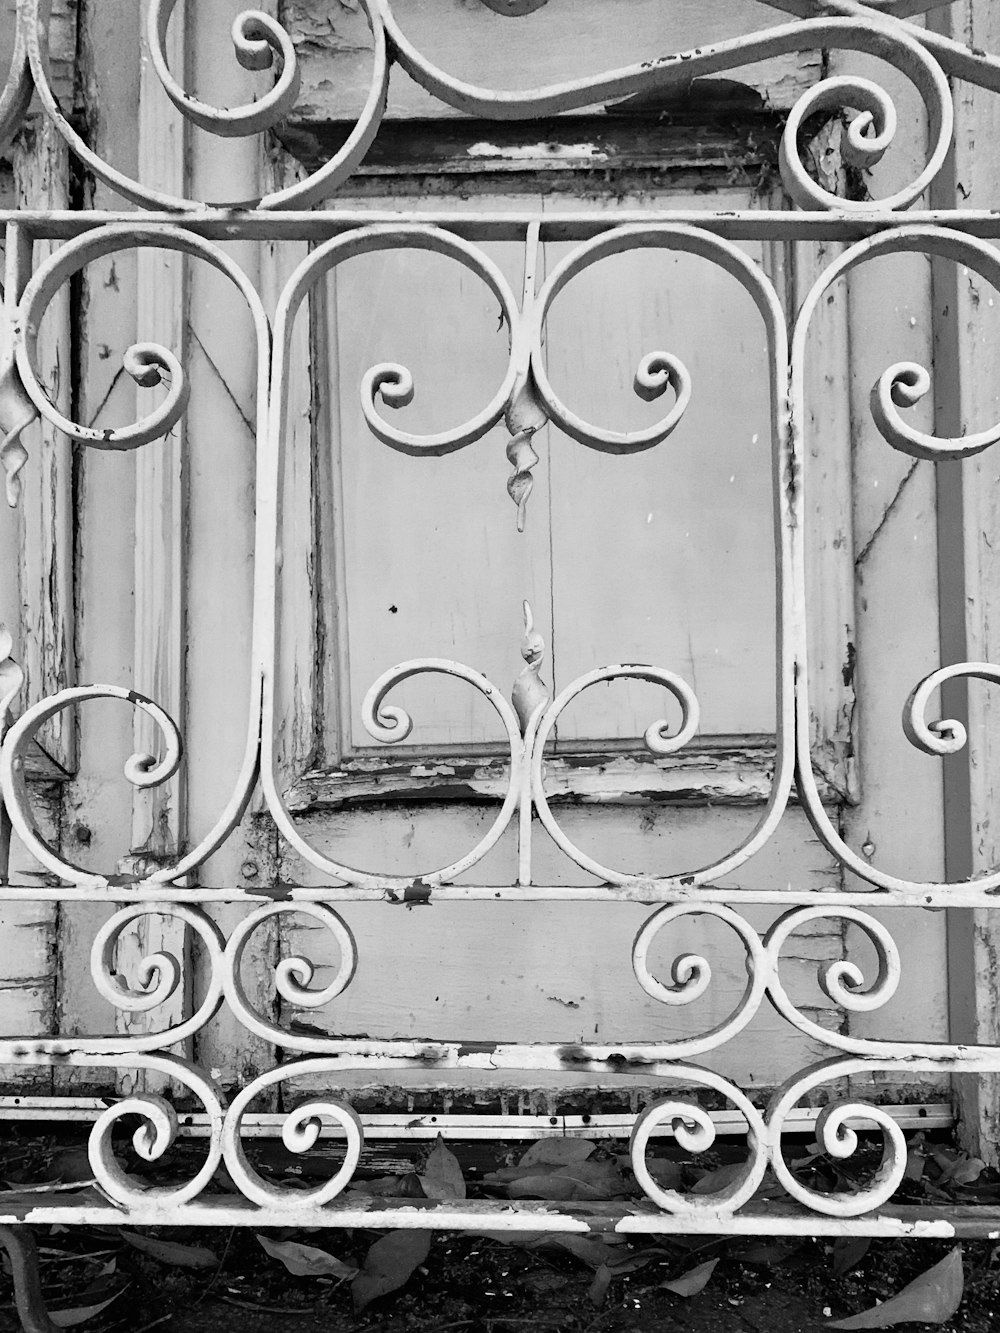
(221, 468)
(967, 320)
(62, 35)
(97, 817)
(471, 42)
(898, 821)
(38, 538)
(29, 948)
(405, 600)
(701, 132)
(158, 813)
(44, 636)
(559, 971)
(545, 969)
(735, 771)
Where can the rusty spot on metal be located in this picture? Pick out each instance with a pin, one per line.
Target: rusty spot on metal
(278, 893)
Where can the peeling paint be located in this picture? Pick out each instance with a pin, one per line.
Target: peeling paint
(538, 152)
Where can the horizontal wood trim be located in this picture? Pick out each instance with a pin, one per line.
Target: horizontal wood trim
(727, 773)
(733, 139)
(380, 1125)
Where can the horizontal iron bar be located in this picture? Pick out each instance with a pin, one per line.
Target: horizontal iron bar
(737, 225)
(937, 897)
(934, 1115)
(766, 1218)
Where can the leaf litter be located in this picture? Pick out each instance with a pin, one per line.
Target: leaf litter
(863, 1289)
(932, 1298)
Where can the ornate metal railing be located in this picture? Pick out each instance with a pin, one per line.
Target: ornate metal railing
(525, 400)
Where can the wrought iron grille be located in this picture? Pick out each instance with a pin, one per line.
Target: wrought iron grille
(525, 400)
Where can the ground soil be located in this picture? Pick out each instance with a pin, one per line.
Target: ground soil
(481, 1286)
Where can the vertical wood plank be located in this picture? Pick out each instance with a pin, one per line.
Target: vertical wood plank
(43, 625)
(967, 395)
(158, 816)
(830, 583)
(97, 810)
(691, 516)
(41, 171)
(886, 305)
(220, 535)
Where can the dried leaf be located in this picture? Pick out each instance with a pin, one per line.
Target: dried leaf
(960, 1170)
(170, 1252)
(848, 1251)
(388, 1264)
(598, 1289)
(714, 1181)
(915, 1163)
(442, 1176)
(693, 1281)
(78, 1314)
(307, 1260)
(591, 1249)
(930, 1299)
(668, 1175)
(68, 1164)
(394, 1187)
(607, 1272)
(557, 1152)
(583, 1180)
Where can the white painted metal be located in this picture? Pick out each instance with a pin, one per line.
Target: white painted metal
(483, 1125)
(168, 892)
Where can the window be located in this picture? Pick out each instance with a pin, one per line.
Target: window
(663, 556)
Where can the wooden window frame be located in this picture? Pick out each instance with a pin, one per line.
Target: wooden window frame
(730, 135)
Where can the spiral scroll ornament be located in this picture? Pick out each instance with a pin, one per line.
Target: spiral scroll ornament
(691, 974)
(147, 363)
(155, 1134)
(871, 132)
(904, 384)
(142, 770)
(301, 1130)
(659, 739)
(946, 735)
(836, 1136)
(695, 1131)
(657, 371)
(260, 43)
(901, 386)
(293, 976)
(159, 974)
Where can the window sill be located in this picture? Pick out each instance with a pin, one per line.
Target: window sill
(731, 770)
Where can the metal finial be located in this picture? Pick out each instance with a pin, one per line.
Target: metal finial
(522, 459)
(529, 689)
